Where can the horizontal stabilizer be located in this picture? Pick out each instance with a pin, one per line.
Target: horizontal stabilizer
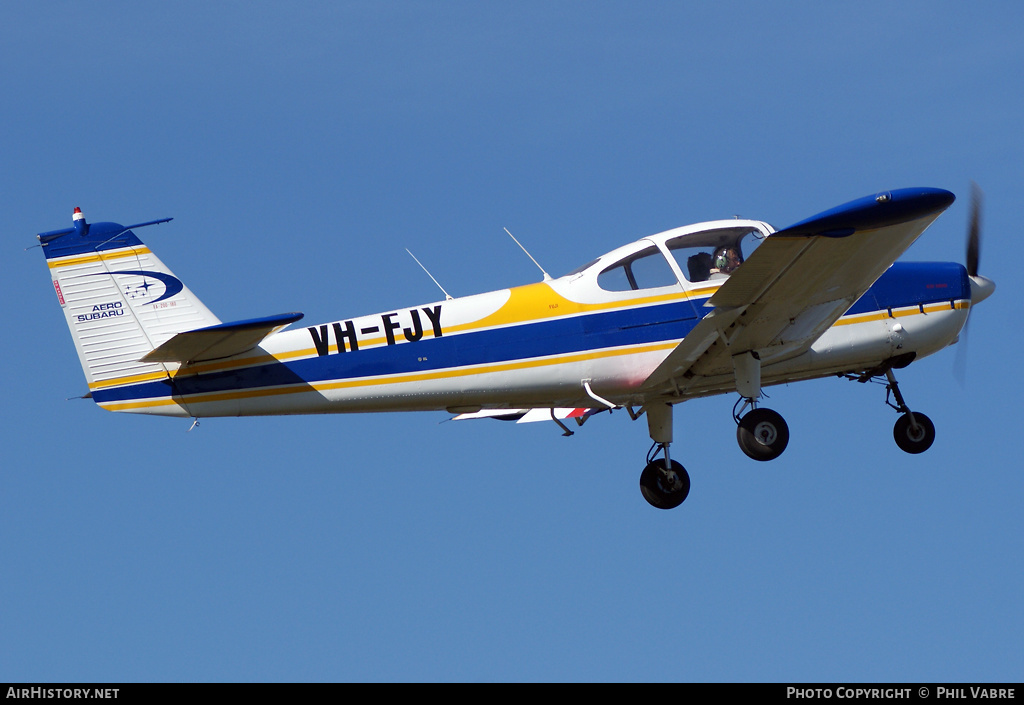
(222, 340)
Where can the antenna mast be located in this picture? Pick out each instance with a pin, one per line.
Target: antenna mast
(447, 296)
(547, 277)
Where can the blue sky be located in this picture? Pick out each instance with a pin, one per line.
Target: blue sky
(301, 147)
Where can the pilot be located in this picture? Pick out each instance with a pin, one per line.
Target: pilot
(727, 259)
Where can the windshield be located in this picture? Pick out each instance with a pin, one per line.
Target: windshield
(714, 254)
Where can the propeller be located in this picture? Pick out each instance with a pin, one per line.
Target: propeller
(974, 231)
(981, 287)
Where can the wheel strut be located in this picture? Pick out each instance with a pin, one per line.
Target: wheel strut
(740, 406)
(659, 423)
(664, 483)
(914, 433)
(901, 405)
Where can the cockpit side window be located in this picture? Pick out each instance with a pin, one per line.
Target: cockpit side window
(647, 269)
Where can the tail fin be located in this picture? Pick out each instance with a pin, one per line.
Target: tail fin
(120, 301)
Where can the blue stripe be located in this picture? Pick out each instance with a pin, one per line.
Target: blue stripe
(97, 237)
(904, 284)
(646, 324)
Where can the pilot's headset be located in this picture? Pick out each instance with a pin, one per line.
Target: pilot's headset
(722, 258)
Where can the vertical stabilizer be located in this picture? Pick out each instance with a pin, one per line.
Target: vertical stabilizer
(119, 299)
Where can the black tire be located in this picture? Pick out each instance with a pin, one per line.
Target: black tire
(661, 490)
(912, 442)
(762, 434)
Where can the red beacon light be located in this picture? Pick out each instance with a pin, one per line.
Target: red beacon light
(81, 227)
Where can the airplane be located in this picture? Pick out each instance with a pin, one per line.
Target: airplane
(719, 307)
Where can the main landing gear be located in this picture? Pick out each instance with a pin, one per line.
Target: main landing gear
(761, 433)
(664, 483)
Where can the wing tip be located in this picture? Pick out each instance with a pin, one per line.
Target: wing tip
(870, 212)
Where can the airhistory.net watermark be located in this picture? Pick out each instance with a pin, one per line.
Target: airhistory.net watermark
(63, 693)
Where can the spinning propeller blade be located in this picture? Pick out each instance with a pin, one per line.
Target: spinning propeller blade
(981, 287)
(974, 231)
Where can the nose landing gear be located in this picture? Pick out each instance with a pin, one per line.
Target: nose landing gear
(914, 432)
(911, 438)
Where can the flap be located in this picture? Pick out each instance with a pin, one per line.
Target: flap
(524, 415)
(222, 340)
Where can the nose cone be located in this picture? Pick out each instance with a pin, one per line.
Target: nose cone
(981, 288)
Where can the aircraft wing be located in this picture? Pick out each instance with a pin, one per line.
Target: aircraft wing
(222, 340)
(801, 280)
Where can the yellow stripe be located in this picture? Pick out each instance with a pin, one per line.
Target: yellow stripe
(310, 352)
(901, 313)
(120, 381)
(98, 257)
(536, 302)
(504, 367)
(138, 405)
(527, 304)
(400, 379)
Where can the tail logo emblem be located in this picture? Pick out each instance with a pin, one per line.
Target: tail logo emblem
(172, 285)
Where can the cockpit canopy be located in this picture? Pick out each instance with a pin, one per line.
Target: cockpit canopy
(694, 253)
(712, 254)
